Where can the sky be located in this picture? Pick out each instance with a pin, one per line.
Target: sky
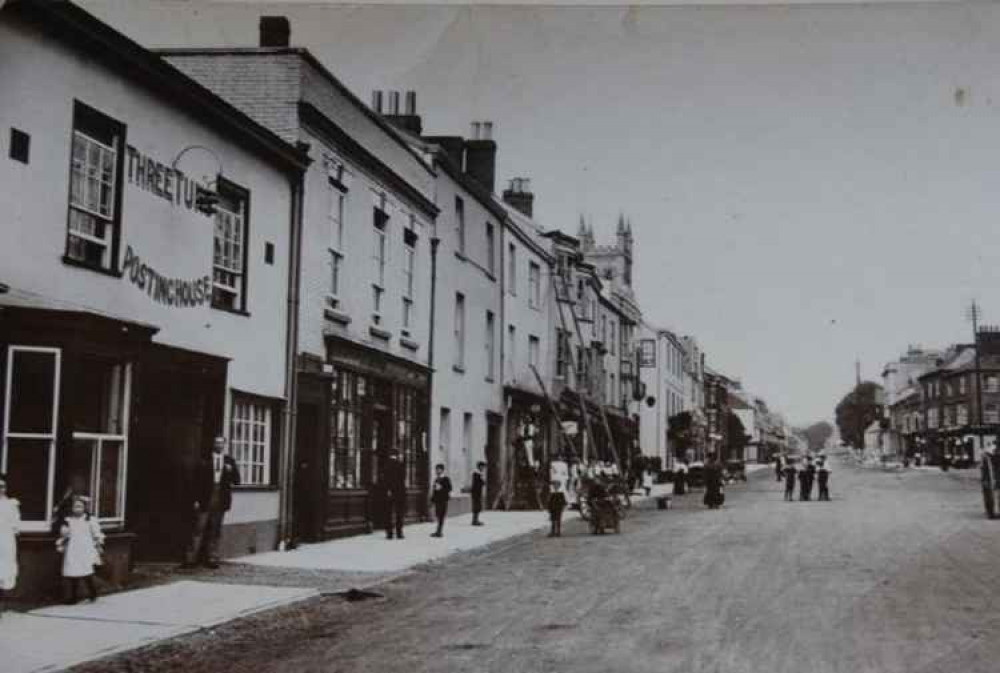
(808, 184)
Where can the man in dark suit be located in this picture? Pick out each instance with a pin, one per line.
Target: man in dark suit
(213, 481)
(394, 492)
(478, 485)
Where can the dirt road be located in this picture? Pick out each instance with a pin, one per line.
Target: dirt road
(898, 573)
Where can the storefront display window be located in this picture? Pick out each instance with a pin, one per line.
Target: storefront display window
(93, 463)
(31, 391)
(345, 424)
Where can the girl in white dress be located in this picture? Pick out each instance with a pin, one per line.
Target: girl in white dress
(81, 542)
(10, 521)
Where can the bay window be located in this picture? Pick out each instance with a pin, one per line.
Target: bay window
(31, 419)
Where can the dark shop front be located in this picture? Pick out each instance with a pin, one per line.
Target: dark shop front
(353, 409)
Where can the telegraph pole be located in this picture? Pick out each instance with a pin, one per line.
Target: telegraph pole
(973, 313)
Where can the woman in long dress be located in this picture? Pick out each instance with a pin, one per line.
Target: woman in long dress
(10, 521)
(713, 483)
(680, 477)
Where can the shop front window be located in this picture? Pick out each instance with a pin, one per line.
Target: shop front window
(95, 461)
(345, 424)
(31, 391)
(410, 434)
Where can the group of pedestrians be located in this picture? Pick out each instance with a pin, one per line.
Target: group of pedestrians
(807, 475)
(393, 495)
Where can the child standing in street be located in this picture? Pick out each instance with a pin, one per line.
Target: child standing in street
(440, 496)
(81, 543)
(10, 521)
(789, 471)
(557, 503)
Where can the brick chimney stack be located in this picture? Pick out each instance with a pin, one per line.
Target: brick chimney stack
(275, 31)
(481, 155)
(401, 115)
(519, 197)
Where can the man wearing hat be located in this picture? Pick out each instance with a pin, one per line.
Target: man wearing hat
(213, 481)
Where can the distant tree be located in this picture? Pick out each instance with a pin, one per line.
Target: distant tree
(736, 436)
(680, 429)
(817, 434)
(857, 410)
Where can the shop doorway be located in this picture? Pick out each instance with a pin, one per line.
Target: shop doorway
(179, 405)
(309, 477)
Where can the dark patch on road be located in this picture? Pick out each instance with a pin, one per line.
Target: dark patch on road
(357, 595)
(557, 627)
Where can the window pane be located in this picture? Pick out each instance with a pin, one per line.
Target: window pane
(28, 475)
(77, 470)
(32, 392)
(112, 455)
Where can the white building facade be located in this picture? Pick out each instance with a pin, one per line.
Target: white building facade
(154, 228)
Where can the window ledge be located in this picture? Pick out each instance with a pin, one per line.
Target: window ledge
(379, 333)
(234, 311)
(458, 368)
(69, 261)
(336, 316)
(255, 489)
(409, 343)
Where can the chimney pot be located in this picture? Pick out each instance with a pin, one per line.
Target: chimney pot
(475, 131)
(377, 101)
(411, 102)
(275, 31)
(394, 102)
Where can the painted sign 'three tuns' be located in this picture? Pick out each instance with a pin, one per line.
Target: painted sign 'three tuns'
(167, 182)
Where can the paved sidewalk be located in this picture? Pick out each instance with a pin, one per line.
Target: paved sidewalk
(57, 637)
(375, 553)
(131, 619)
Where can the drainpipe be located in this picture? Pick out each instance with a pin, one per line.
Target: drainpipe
(502, 438)
(286, 478)
(435, 242)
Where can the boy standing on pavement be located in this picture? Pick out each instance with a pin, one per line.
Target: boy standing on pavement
(478, 485)
(440, 495)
